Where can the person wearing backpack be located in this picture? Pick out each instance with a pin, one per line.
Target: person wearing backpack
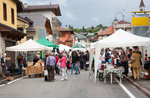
(3, 64)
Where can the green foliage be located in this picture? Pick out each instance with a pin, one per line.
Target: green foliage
(91, 29)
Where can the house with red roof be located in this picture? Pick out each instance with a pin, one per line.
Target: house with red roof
(67, 37)
(121, 25)
(116, 25)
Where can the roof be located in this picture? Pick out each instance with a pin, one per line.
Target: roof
(107, 31)
(80, 36)
(26, 19)
(65, 30)
(19, 5)
(91, 34)
(53, 7)
(123, 22)
(142, 4)
(37, 19)
(66, 38)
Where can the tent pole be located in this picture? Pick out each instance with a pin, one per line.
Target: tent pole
(91, 59)
(97, 55)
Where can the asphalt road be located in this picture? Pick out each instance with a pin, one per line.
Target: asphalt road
(81, 86)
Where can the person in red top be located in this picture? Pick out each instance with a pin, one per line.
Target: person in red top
(56, 64)
(63, 62)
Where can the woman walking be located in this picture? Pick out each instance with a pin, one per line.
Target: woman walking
(74, 61)
(63, 62)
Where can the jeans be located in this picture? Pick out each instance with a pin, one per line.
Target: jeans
(20, 68)
(4, 69)
(64, 74)
(74, 66)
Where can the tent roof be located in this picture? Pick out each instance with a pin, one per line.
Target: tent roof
(29, 45)
(77, 46)
(64, 47)
(45, 42)
(122, 38)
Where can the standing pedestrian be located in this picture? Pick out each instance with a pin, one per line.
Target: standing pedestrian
(45, 68)
(63, 62)
(124, 62)
(3, 64)
(50, 64)
(56, 64)
(19, 58)
(135, 64)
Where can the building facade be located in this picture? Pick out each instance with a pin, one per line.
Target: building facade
(81, 39)
(9, 34)
(49, 11)
(67, 37)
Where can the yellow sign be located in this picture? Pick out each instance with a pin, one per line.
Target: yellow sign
(140, 21)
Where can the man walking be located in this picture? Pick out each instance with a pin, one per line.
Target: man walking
(50, 64)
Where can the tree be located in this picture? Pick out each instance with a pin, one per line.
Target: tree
(83, 29)
(70, 27)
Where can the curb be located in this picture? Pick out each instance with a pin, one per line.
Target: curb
(144, 90)
(5, 80)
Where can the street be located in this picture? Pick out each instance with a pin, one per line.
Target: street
(81, 86)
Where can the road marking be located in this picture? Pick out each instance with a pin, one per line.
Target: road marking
(2, 85)
(12, 81)
(126, 90)
(15, 80)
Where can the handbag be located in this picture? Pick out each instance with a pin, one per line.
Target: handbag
(45, 72)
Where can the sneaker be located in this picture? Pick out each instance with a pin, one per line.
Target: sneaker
(66, 78)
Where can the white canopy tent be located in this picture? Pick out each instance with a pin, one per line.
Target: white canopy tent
(64, 47)
(29, 45)
(80, 49)
(120, 38)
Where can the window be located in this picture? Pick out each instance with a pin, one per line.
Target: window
(4, 12)
(12, 16)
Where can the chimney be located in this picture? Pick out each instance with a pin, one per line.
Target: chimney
(25, 5)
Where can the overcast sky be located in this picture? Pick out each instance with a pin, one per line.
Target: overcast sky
(92, 12)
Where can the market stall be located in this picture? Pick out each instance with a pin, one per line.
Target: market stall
(120, 38)
(45, 42)
(64, 47)
(78, 47)
(31, 45)
(38, 68)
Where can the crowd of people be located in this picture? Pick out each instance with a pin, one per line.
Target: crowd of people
(61, 61)
(121, 58)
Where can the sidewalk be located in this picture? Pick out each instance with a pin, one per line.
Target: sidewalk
(143, 84)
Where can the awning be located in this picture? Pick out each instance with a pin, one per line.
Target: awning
(45, 42)
(29, 45)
